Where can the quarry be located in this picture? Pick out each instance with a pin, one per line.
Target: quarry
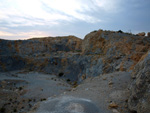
(106, 72)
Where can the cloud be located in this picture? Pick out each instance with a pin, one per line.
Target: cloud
(24, 35)
(27, 13)
(3, 33)
(65, 17)
(16, 13)
(42, 12)
(109, 6)
(76, 9)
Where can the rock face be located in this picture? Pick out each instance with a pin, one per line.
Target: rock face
(141, 34)
(40, 46)
(100, 52)
(139, 100)
(51, 54)
(118, 51)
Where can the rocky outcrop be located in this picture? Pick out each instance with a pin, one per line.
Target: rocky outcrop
(119, 51)
(139, 100)
(141, 34)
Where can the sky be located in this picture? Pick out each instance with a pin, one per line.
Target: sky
(23, 19)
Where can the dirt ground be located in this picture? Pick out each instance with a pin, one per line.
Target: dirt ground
(23, 92)
(105, 93)
(20, 90)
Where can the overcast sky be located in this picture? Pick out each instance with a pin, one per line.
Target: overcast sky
(21, 19)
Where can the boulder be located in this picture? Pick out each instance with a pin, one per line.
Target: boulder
(139, 100)
(148, 34)
(141, 34)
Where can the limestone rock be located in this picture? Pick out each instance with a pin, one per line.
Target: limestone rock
(110, 83)
(139, 100)
(115, 111)
(141, 34)
(113, 105)
(119, 51)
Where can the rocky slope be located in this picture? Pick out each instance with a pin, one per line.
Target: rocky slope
(75, 60)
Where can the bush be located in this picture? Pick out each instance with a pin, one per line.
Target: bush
(68, 80)
(20, 88)
(94, 31)
(61, 74)
(120, 31)
(15, 110)
(43, 99)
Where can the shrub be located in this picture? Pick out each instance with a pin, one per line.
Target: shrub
(120, 31)
(94, 31)
(61, 74)
(20, 88)
(68, 80)
(43, 99)
(15, 110)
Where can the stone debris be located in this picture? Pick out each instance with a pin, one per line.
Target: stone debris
(110, 83)
(104, 78)
(113, 105)
(115, 111)
(73, 89)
